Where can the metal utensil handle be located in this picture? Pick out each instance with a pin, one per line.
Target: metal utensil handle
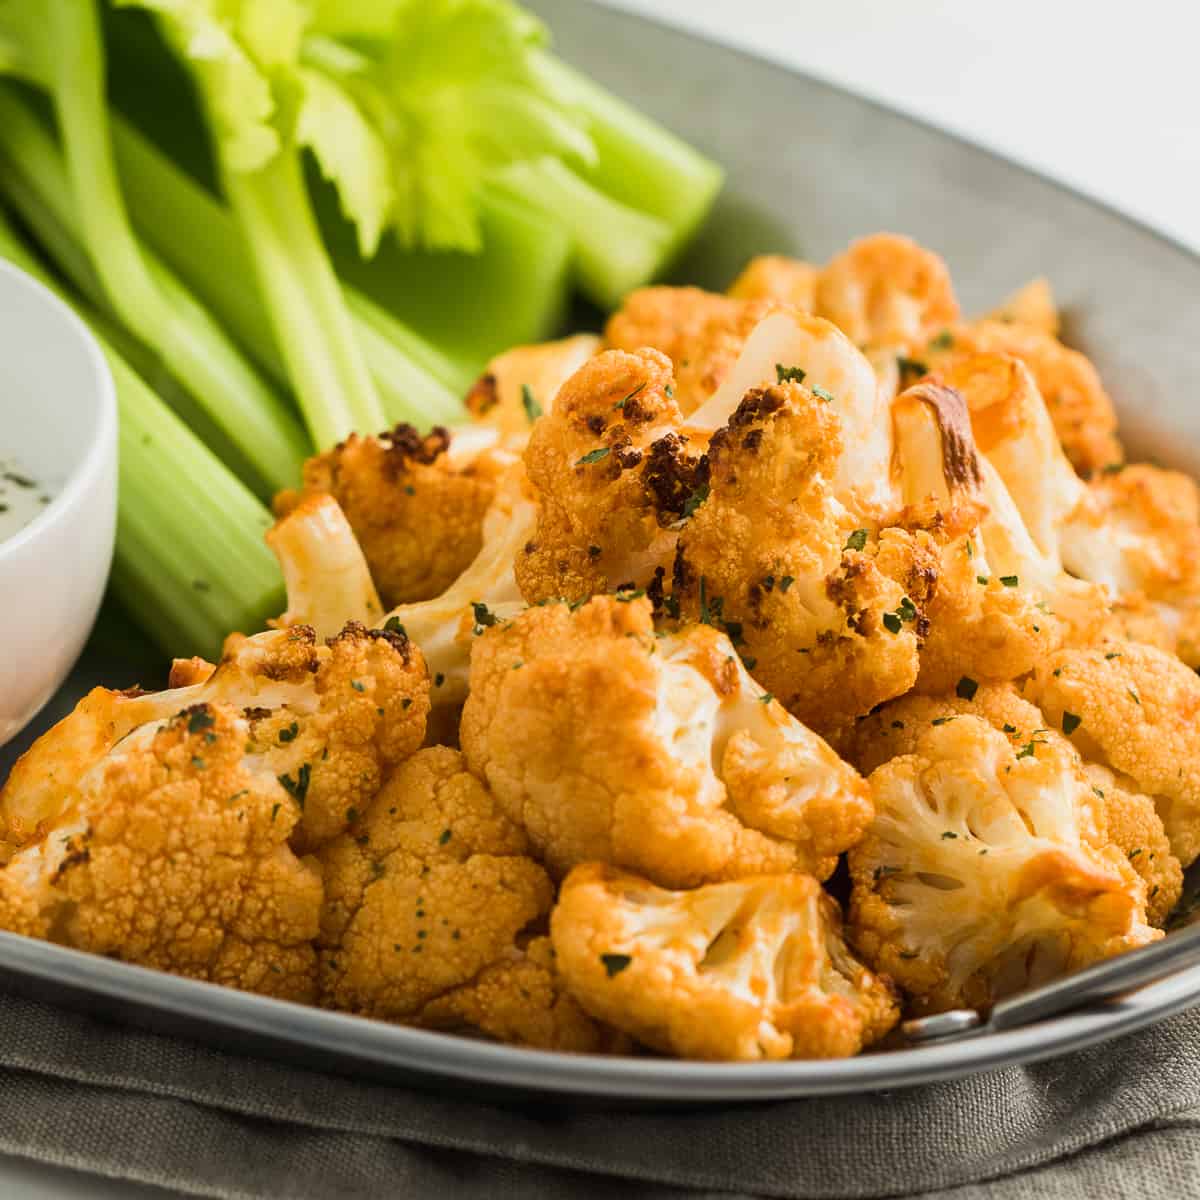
(1104, 981)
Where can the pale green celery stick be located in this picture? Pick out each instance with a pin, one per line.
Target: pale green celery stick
(471, 306)
(416, 382)
(65, 56)
(191, 564)
(639, 163)
(615, 248)
(33, 178)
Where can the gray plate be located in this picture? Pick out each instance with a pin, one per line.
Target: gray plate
(810, 168)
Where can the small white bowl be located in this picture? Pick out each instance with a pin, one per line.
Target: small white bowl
(58, 418)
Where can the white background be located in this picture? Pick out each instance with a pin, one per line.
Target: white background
(1103, 95)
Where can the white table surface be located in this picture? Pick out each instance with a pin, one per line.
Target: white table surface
(1101, 96)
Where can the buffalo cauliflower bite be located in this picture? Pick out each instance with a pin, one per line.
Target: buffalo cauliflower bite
(1032, 305)
(416, 503)
(827, 616)
(750, 970)
(521, 384)
(329, 720)
(427, 896)
(610, 473)
(608, 743)
(886, 290)
(486, 592)
(1135, 710)
(987, 869)
(777, 277)
(173, 854)
(327, 578)
(1128, 818)
(1080, 408)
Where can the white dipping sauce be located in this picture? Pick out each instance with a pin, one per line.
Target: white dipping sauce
(21, 497)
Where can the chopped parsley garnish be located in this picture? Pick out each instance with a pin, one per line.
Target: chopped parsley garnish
(406, 702)
(892, 622)
(789, 374)
(949, 834)
(766, 698)
(1134, 696)
(786, 582)
(1010, 580)
(1070, 723)
(200, 718)
(198, 762)
(593, 456)
(912, 366)
(626, 399)
(445, 836)
(857, 540)
(274, 811)
(1134, 853)
(439, 679)
(289, 734)
(484, 617)
(1113, 654)
(627, 592)
(394, 625)
(941, 720)
(298, 788)
(906, 610)
(1112, 468)
(694, 501)
(1009, 728)
(983, 579)
(533, 409)
(614, 964)
(943, 341)
(358, 685)
(822, 393)
(966, 688)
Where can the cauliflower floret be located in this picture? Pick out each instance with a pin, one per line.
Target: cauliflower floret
(1032, 305)
(429, 888)
(416, 503)
(521, 384)
(700, 332)
(987, 871)
(329, 721)
(522, 998)
(486, 592)
(777, 277)
(1000, 603)
(1080, 408)
(660, 754)
(610, 472)
(886, 290)
(1135, 710)
(755, 969)
(173, 854)
(327, 578)
(1129, 818)
(826, 617)
(1136, 829)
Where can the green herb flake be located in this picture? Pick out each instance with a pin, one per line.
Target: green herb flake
(857, 540)
(298, 788)
(892, 622)
(982, 579)
(289, 734)
(274, 811)
(533, 409)
(897, 724)
(766, 698)
(949, 835)
(394, 625)
(941, 720)
(439, 679)
(1134, 696)
(1113, 654)
(637, 391)
(1070, 723)
(198, 762)
(966, 688)
(789, 374)
(358, 685)
(943, 341)
(200, 718)
(593, 456)
(694, 501)
(786, 582)
(1134, 853)
(445, 836)
(614, 964)
(484, 617)
(911, 366)
(1010, 580)
(822, 393)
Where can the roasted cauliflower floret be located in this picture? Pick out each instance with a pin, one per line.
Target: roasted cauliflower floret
(329, 721)
(886, 290)
(429, 888)
(755, 969)
(327, 578)
(1080, 408)
(610, 473)
(826, 616)
(608, 743)
(416, 503)
(486, 592)
(174, 854)
(986, 869)
(1136, 710)
(521, 384)
(777, 277)
(1127, 818)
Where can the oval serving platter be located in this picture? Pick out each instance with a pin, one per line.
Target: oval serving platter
(810, 167)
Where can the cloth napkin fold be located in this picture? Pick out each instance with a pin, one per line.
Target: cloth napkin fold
(78, 1091)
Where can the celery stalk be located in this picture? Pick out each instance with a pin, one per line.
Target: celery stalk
(191, 564)
(416, 383)
(638, 162)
